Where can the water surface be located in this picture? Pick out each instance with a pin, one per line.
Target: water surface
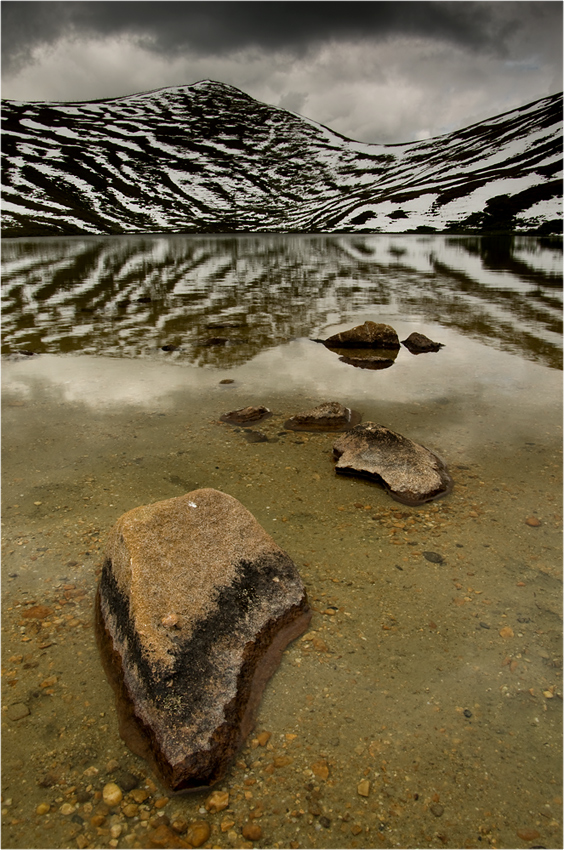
(437, 679)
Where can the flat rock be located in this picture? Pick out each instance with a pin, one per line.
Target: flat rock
(411, 473)
(195, 606)
(246, 415)
(329, 416)
(17, 711)
(368, 335)
(418, 343)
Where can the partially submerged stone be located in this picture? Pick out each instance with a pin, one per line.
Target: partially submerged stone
(418, 343)
(368, 335)
(329, 416)
(246, 415)
(195, 606)
(411, 473)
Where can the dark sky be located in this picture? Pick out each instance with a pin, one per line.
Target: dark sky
(374, 71)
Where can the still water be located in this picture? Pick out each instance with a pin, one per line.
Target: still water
(423, 708)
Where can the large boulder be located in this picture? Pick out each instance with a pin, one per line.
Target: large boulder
(195, 606)
(329, 416)
(368, 335)
(411, 473)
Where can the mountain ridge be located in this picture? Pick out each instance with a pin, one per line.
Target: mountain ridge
(207, 157)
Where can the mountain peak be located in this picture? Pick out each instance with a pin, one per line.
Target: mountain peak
(208, 157)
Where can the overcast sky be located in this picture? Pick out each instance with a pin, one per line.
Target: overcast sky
(385, 72)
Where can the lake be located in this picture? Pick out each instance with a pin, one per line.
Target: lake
(424, 706)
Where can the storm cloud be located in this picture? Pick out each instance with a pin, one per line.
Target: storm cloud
(375, 71)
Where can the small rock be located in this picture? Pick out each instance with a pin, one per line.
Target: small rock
(251, 831)
(161, 802)
(116, 830)
(321, 769)
(112, 794)
(164, 836)
(67, 809)
(42, 809)
(329, 416)
(437, 809)
(356, 829)
(198, 832)
(246, 415)
(370, 335)
(17, 711)
(227, 381)
(434, 557)
(533, 521)
(325, 822)
(363, 788)
(131, 810)
(507, 632)
(37, 612)
(528, 833)
(217, 801)
(127, 781)
(418, 343)
(263, 738)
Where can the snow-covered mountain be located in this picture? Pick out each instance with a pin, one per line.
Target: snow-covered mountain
(209, 158)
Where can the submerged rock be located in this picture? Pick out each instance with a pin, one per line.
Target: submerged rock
(246, 415)
(195, 606)
(418, 343)
(329, 416)
(411, 473)
(368, 335)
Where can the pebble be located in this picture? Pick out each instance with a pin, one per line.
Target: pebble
(127, 781)
(67, 809)
(321, 769)
(217, 801)
(42, 809)
(437, 809)
(263, 738)
(434, 557)
(533, 521)
(17, 711)
(164, 836)
(363, 788)
(251, 831)
(112, 794)
(528, 834)
(507, 632)
(198, 832)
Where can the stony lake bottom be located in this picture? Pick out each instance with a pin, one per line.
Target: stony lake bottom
(423, 708)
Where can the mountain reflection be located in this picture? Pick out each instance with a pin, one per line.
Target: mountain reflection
(131, 296)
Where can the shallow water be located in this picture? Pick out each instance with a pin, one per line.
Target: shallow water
(432, 668)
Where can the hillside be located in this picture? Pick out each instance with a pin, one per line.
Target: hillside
(209, 158)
